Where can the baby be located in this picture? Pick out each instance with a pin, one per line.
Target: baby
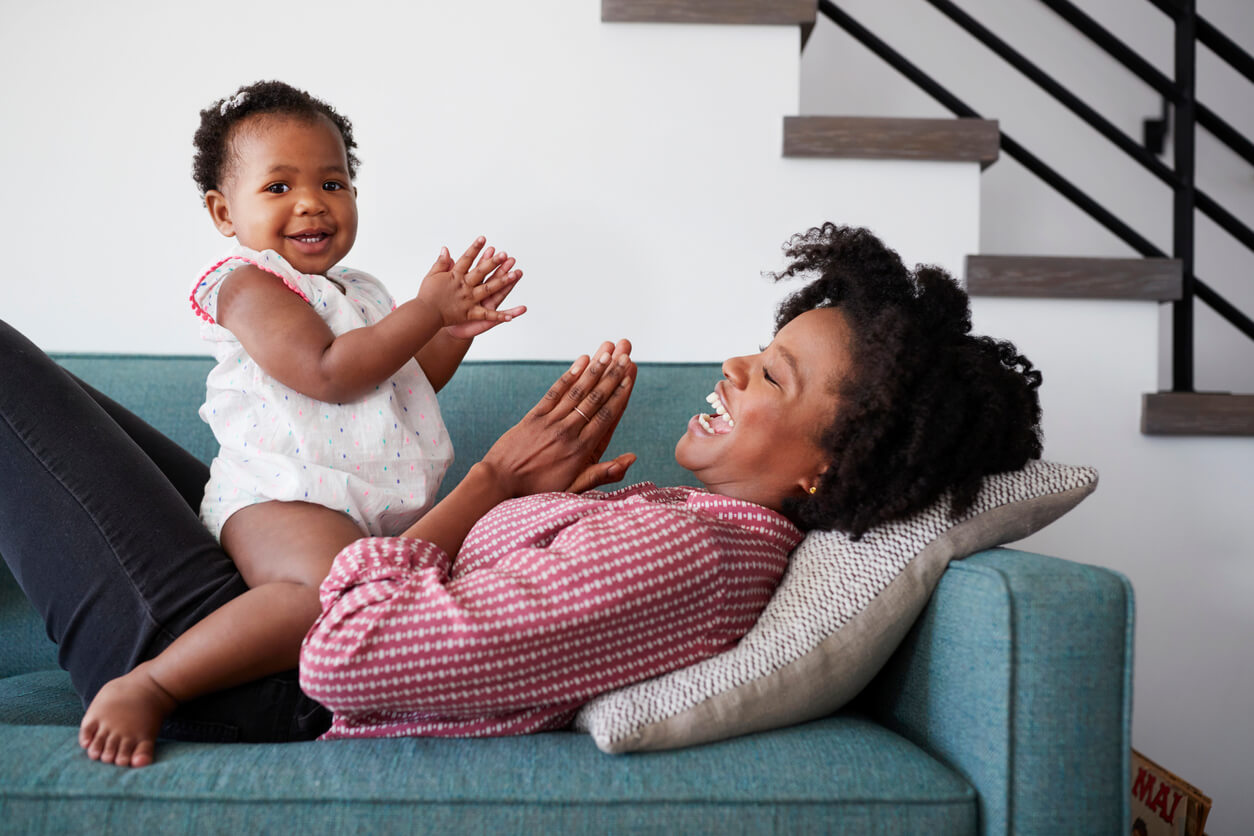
(323, 397)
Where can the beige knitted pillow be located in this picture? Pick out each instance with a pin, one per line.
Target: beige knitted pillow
(840, 612)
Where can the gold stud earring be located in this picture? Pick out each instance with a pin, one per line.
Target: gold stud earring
(814, 489)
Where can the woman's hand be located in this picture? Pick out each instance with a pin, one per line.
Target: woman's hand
(555, 447)
(558, 444)
(602, 473)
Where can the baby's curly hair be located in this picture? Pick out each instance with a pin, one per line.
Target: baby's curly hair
(211, 163)
(927, 407)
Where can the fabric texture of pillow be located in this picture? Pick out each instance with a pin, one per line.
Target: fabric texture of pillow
(840, 612)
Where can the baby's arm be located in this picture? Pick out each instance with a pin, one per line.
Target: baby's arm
(288, 339)
(441, 356)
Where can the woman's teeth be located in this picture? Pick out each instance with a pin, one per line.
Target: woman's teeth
(721, 422)
(719, 407)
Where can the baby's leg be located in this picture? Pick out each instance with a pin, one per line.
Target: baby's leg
(284, 550)
(293, 542)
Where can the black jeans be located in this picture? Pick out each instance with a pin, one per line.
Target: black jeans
(99, 525)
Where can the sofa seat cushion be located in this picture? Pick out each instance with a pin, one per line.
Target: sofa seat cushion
(39, 698)
(841, 774)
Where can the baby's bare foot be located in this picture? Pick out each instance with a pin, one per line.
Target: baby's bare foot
(122, 722)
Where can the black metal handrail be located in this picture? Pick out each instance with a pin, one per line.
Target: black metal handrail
(1094, 119)
(1219, 43)
(1144, 70)
(1180, 177)
(1012, 148)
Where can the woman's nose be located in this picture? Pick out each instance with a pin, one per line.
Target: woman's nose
(736, 370)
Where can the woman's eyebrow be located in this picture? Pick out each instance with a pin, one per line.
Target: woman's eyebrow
(791, 360)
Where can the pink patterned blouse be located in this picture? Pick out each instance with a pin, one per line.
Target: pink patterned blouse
(553, 599)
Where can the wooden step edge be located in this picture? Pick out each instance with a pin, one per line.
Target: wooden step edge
(890, 138)
(1070, 277)
(1197, 413)
(764, 12)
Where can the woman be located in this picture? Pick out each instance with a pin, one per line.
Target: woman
(872, 401)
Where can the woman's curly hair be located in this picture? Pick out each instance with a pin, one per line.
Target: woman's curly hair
(926, 407)
(211, 163)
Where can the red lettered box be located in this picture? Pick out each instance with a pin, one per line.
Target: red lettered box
(1164, 805)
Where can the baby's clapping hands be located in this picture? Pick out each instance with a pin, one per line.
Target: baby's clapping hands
(466, 293)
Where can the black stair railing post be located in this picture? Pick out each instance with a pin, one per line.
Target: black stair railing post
(1185, 197)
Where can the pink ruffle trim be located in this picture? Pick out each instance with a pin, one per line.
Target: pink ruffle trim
(203, 314)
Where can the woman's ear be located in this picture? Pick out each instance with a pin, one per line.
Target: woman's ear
(215, 202)
(810, 483)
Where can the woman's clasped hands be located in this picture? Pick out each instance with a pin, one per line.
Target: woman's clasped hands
(558, 445)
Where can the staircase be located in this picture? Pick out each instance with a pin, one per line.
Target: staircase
(1153, 278)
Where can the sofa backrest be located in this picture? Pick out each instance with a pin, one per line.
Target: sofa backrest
(482, 400)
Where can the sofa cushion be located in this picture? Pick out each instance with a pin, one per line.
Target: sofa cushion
(165, 390)
(842, 775)
(41, 698)
(841, 610)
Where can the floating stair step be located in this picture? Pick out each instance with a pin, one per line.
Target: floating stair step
(1065, 277)
(1197, 413)
(884, 138)
(782, 12)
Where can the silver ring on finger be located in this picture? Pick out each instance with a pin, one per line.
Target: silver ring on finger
(583, 415)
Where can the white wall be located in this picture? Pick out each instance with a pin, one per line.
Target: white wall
(635, 170)
(642, 192)
(1169, 513)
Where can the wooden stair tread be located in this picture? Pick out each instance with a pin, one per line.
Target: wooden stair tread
(1197, 413)
(1069, 277)
(767, 12)
(891, 138)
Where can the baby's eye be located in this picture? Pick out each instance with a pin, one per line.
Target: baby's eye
(332, 186)
(277, 188)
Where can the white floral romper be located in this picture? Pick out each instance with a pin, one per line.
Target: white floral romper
(379, 459)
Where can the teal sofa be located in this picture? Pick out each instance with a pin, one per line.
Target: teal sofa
(1005, 711)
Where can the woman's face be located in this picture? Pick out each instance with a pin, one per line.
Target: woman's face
(762, 443)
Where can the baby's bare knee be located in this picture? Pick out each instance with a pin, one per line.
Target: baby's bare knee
(287, 542)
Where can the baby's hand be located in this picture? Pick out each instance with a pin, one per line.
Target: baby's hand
(466, 297)
(470, 330)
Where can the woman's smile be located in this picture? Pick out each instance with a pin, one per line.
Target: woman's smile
(721, 422)
(761, 442)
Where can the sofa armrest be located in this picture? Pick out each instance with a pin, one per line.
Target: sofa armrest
(1019, 675)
